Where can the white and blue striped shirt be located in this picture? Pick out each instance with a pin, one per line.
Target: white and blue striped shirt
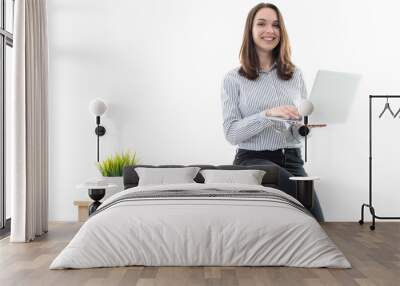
(244, 103)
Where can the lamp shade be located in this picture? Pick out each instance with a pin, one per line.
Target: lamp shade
(97, 107)
(305, 107)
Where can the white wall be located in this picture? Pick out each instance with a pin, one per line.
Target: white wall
(159, 65)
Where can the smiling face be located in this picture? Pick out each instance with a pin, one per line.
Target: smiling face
(266, 30)
(265, 41)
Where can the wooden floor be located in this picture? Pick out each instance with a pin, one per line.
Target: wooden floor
(374, 255)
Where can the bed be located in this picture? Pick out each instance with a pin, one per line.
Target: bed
(201, 224)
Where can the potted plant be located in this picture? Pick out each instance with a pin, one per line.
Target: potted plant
(111, 168)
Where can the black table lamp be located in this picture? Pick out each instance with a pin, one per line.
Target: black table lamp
(97, 107)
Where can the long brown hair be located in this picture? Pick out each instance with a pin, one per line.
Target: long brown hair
(249, 60)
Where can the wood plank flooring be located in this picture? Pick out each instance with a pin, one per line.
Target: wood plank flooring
(374, 255)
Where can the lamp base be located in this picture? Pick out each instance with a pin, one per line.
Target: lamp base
(100, 130)
(304, 130)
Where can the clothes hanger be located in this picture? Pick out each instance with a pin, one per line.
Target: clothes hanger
(387, 107)
(397, 113)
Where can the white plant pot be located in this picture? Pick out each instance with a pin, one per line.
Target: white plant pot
(118, 181)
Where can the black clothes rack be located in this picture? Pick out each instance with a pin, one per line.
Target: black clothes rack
(369, 205)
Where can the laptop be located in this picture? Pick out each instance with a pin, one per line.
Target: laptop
(332, 95)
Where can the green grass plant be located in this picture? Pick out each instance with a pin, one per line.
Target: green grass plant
(113, 165)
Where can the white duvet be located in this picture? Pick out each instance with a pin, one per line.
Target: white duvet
(200, 231)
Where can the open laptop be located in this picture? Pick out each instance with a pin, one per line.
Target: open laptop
(332, 95)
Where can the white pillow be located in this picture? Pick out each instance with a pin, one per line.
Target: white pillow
(164, 176)
(248, 177)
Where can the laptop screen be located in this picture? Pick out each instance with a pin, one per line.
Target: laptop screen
(332, 95)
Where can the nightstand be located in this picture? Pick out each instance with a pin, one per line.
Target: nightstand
(83, 212)
(305, 186)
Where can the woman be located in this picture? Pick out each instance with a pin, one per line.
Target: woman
(264, 88)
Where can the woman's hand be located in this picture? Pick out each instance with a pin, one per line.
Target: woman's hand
(283, 111)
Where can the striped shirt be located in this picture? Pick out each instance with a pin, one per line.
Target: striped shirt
(244, 103)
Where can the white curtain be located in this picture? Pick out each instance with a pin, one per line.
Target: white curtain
(29, 122)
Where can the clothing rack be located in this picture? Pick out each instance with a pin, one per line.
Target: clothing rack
(369, 205)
